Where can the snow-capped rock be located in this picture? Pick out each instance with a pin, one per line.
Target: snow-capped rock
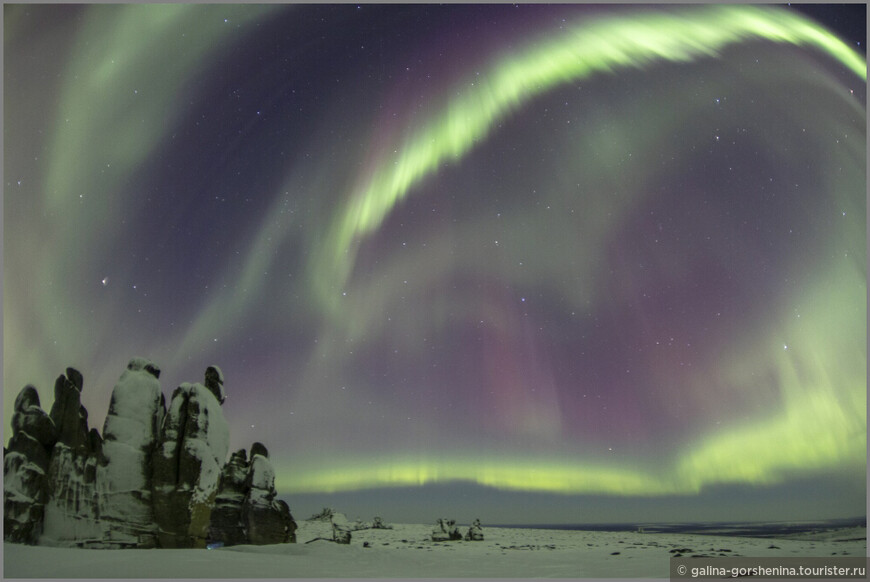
(226, 523)
(187, 466)
(130, 435)
(445, 530)
(25, 464)
(325, 515)
(30, 418)
(267, 519)
(340, 529)
(72, 514)
(378, 523)
(246, 510)
(475, 532)
(23, 499)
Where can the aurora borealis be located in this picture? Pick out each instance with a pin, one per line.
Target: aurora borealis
(558, 255)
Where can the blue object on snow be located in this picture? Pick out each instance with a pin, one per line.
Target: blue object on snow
(214, 545)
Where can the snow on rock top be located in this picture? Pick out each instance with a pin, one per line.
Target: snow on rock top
(31, 419)
(262, 475)
(138, 364)
(25, 464)
(137, 406)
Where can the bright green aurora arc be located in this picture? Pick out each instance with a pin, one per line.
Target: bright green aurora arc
(565, 250)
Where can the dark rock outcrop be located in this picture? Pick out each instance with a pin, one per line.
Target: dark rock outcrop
(246, 510)
(325, 515)
(340, 529)
(214, 381)
(226, 524)
(25, 466)
(29, 418)
(72, 515)
(378, 523)
(445, 530)
(67, 412)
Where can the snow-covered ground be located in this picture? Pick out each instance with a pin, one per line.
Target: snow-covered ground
(407, 552)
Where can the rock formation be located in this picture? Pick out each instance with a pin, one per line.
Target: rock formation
(72, 514)
(245, 509)
(67, 412)
(268, 520)
(475, 532)
(445, 530)
(155, 478)
(226, 518)
(340, 529)
(214, 381)
(378, 523)
(130, 435)
(25, 465)
(325, 515)
(187, 465)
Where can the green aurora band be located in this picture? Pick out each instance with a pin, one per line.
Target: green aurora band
(820, 426)
(606, 45)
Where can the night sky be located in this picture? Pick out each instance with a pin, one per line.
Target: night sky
(539, 263)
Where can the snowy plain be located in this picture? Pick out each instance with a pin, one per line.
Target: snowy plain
(408, 552)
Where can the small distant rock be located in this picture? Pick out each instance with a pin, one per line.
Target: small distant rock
(325, 515)
(378, 523)
(340, 529)
(475, 532)
(445, 530)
